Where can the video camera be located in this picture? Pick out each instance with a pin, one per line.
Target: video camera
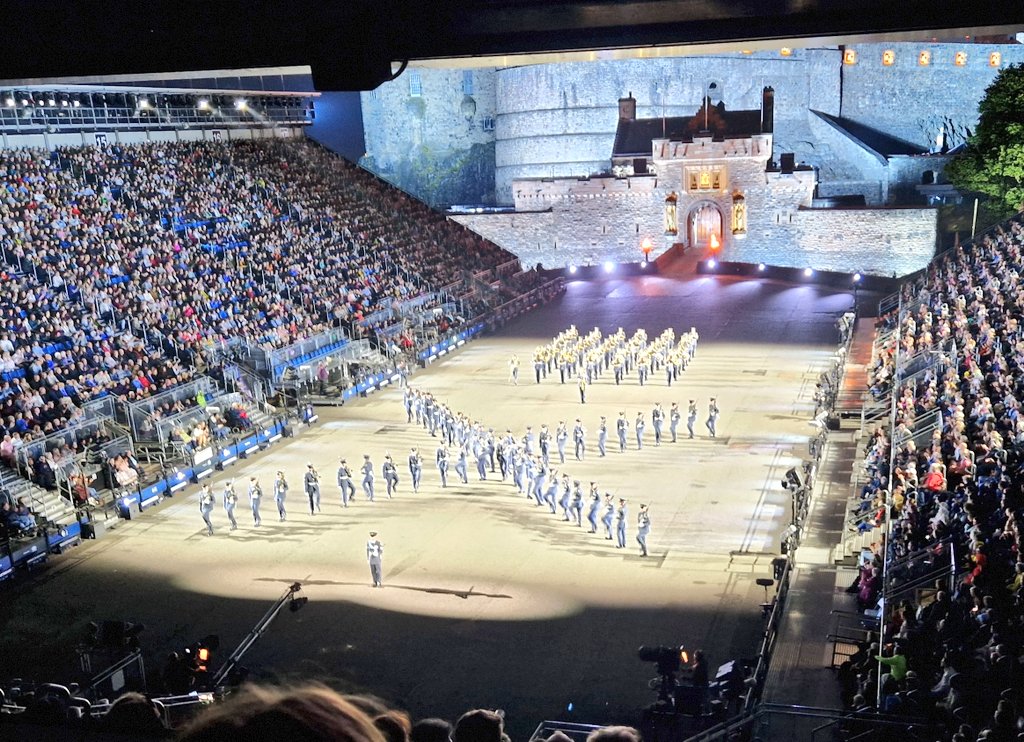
(668, 659)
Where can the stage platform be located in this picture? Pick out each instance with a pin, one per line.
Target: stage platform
(488, 600)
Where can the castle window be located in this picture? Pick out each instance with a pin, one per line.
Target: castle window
(924, 58)
(415, 84)
(960, 59)
(995, 59)
(850, 56)
(487, 123)
(888, 58)
(467, 82)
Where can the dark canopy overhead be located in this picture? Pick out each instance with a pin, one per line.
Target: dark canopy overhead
(350, 44)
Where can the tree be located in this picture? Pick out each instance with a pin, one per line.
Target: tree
(992, 163)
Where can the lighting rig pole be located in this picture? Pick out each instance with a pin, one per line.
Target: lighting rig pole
(258, 630)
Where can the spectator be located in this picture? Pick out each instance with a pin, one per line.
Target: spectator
(614, 734)
(134, 714)
(431, 730)
(480, 725)
(257, 714)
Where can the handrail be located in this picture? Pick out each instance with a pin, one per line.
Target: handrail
(888, 503)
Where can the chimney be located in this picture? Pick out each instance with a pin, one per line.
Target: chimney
(627, 108)
(767, 110)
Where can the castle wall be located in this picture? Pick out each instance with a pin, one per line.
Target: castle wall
(868, 177)
(573, 222)
(438, 145)
(912, 102)
(557, 120)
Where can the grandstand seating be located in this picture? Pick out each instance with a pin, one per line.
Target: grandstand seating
(943, 493)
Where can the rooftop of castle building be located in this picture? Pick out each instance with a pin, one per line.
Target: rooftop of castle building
(880, 142)
(633, 137)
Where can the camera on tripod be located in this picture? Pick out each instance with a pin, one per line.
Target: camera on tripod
(668, 659)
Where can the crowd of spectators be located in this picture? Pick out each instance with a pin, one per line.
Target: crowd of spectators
(311, 712)
(953, 651)
(113, 251)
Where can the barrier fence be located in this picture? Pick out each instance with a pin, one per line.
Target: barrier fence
(148, 423)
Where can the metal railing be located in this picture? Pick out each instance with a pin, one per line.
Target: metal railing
(848, 632)
(922, 568)
(776, 721)
(303, 350)
(14, 120)
(145, 422)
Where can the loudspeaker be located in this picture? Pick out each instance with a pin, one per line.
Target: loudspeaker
(94, 529)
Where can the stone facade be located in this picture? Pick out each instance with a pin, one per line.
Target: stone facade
(720, 196)
(431, 132)
(595, 220)
(916, 102)
(558, 120)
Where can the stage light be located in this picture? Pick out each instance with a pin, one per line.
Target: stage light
(51, 102)
(609, 266)
(808, 272)
(9, 101)
(760, 267)
(240, 104)
(572, 270)
(856, 277)
(711, 263)
(143, 103)
(76, 103)
(203, 104)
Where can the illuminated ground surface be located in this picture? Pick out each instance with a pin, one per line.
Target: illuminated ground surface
(488, 601)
